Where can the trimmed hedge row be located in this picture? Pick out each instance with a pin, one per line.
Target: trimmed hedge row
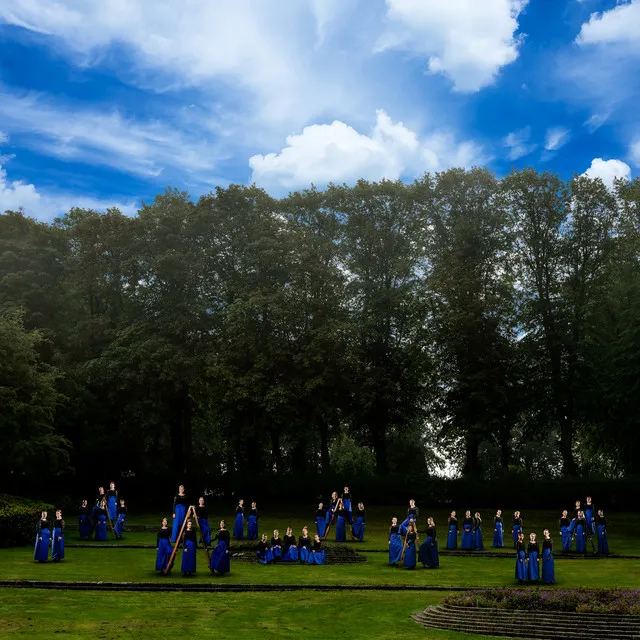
(620, 601)
(19, 518)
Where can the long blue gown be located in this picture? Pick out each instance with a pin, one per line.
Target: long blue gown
(252, 528)
(603, 540)
(452, 536)
(467, 537)
(341, 529)
(521, 565)
(189, 556)
(409, 561)
(428, 553)
(112, 507)
(120, 524)
(238, 526)
(565, 537)
(478, 544)
(57, 545)
(581, 537)
(181, 512)
(515, 531)
(548, 570)
(41, 549)
(498, 538)
(84, 525)
(533, 568)
(101, 528)
(164, 551)
(321, 525)
(358, 527)
(220, 560)
(395, 546)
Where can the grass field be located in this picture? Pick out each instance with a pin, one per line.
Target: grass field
(308, 614)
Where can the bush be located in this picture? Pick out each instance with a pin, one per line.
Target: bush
(618, 601)
(18, 520)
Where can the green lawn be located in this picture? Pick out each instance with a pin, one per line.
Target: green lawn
(308, 614)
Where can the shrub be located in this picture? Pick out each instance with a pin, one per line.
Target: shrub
(18, 520)
(618, 601)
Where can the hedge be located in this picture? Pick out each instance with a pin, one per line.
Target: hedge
(19, 518)
(620, 601)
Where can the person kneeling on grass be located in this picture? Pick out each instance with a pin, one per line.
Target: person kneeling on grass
(276, 546)
(317, 555)
(264, 553)
(290, 547)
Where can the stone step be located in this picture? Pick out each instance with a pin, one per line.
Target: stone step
(527, 624)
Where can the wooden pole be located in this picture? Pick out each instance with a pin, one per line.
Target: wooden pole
(175, 549)
(204, 546)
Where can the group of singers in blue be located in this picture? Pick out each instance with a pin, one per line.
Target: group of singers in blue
(108, 509)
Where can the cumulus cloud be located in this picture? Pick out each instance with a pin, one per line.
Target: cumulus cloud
(608, 170)
(16, 194)
(107, 139)
(467, 40)
(618, 25)
(518, 143)
(556, 138)
(337, 152)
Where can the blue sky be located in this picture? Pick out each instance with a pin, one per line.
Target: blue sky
(108, 102)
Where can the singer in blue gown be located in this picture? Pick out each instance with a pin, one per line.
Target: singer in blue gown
(43, 539)
(321, 520)
(359, 521)
(428, 553)
(452, 533)
(466, 542)
(163, 546)
(180, 504)
(290, 547)
(533, 566)
(565, 532)
(112, 502)
(521, 562)
(238, 526)
(498, 537)
(252, 522)
(548, 569)
(220, 562)
(601, 529)
(202, 513)
(395, 542)
(57, 540)
(85, 526)
(189, 548)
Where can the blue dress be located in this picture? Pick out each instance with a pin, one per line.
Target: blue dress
(467, 537)
(590, 517)
(290, 549)
(41, 549)
(120, 523)
(238, 527)
(358, 527)
(533, 568)
(57, 544)
(112, 505)
(252, 527)
(603, 541)
(478, 544)
(220, 560)
(346, 503)
(321, 523)
(581, 537)
(452, 536)
(264, 554)
(84, 524)
(164, 550)
(521, 564)
(517, 528)
(341, 529)
(181, 512)
(565, 533)
(395, 545)
(548, 570)
(409, 561)
(101, 527)
(317, 556)
(498, 538)
(304, 549)
(189, 553)
(205, 531)
(428, 553)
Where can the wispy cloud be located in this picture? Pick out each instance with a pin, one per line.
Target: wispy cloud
(556, 138)
(596, 121)
(518, 143)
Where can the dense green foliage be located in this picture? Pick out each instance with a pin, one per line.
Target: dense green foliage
(489, 324)
(18, 518)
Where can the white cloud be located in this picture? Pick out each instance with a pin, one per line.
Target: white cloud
(608, 170)
(467, 40)
(337, 152)
(107, 139)
(257, 51)
(556, 138)
(618, 25)
(518, 143)
(47, 205)
(596, 121)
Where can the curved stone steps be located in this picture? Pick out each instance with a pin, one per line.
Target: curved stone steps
(546, 625)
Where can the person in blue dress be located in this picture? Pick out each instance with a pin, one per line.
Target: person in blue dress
(341, 522)
(290, 547)
(112, 502)
(220, 562)
(517, 527)
(121, 519)
(346, 503)
(590, 515)
(452, 534)
(412, 514)
(521, 563)
(428, 553)
(321, 520)
(43, 539)
(85, 527)
(548, 570)
(304, 546)
(252, 522)
(498, 537)
(238, 527)
(189, 548)
(57, 540)
(580, 533)
(601, 528)
(202, 513)
(478, 544)
(263, 550)
(533, 551)
(317, 555)
(101, 522)
(329, 516)
(276, 546)
(410, 541)
(565, 532)
(180, 504)
(359, 522)
(466, 542)
(395, 542)
(102, 496)
(163, 546)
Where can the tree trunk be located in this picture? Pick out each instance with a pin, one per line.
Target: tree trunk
(472, 456)
(323, 430)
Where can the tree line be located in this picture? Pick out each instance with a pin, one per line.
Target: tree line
(489, 325)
